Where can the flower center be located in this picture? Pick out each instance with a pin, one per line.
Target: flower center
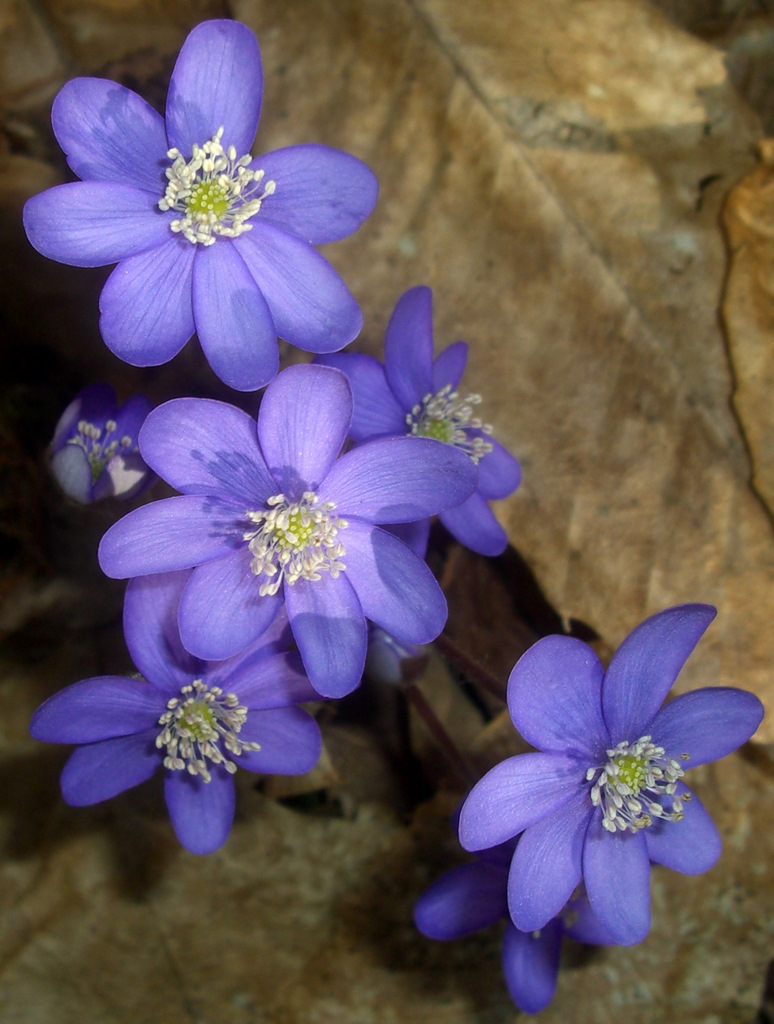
(448, 418)
(208, 197)
(295, 540)
(637, 784)
(100, 448)
(214, 190)
(196, 727)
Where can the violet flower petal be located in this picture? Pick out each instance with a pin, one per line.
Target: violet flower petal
(92, 223)
(217, 82)
(449, 366)
(408, 347)
(515, 794)
(264, 681)
(464, 900)
(415, 535)
(395, 588)
(475, 525)
(277, 638)
(691, 846)
(554, 698)
(201, 446)
(151, 633)
(174, 533)
(302, 424)
(124, 476)
(221, 611)
(109, 133)
(130, 417)
(233, 322)
(581, 924)
(546, 866)
(330, 630)
(71, 469)
(322, 194)
(96, 403)
(387, 656)
(616, 870)
(201, 812)
(645, 666)
(376, 412)
(98, 771)
(290, 742)
(399, 479)
(499, 473)
(97, 709)
(310, 304)
(145, 306)
(531, 965)
(707, 724)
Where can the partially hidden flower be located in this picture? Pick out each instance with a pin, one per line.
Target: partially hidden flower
(412, 393)
(197, 720)
(474, 896)
(206, 238)
(389, 661)
(603, 795)
(269, 514)
(94, 451)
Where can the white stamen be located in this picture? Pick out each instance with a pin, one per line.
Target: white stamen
(196, 724)
(447, 417)
(295, 540)
(100, 450)
(214, 190)
(630, 787)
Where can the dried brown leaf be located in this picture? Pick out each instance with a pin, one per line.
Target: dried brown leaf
(748, 311)
(584, 274)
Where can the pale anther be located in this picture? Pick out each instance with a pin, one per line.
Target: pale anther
(215, 191)
(99, 449)
(294, 540)
(447, 417)
(197, 727)
(637, 784)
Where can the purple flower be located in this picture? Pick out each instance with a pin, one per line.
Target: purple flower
(388, 658)
(273, 514)
(198, 719)
(475, 896)
(414, 394)
(205, 237)
(94, 452)
(389, 661)
(603, 795)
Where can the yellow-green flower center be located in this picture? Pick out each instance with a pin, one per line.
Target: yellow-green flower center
(216, 191)
(447, 417)
(637, 785)
(441, 430)
(197, 721)
(297, 533)
(208, 197)
(631, 771)
(198, 725)
(294, 540)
